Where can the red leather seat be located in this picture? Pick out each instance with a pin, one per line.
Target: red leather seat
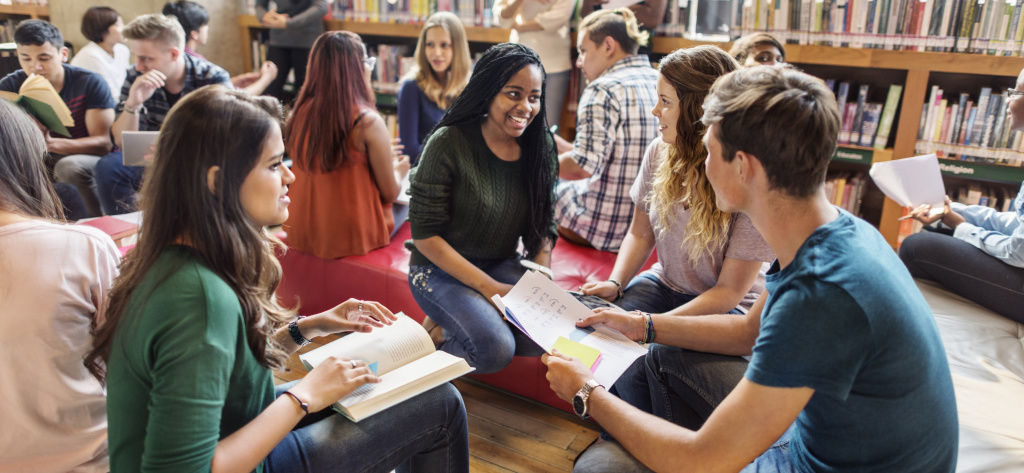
(382, 275)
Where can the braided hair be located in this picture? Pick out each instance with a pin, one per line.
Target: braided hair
(537, 146)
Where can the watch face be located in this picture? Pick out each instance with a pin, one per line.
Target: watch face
(579, 406)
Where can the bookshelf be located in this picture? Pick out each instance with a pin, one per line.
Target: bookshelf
(915, 69)
(23, 12)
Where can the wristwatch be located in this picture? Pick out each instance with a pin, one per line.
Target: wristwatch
(579, 401)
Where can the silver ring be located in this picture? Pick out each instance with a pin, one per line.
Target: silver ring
(360, 306)
(353, 364)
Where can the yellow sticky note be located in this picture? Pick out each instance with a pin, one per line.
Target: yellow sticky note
(588, 355)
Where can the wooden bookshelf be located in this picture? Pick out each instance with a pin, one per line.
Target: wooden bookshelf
(917, 65)
(35, 12)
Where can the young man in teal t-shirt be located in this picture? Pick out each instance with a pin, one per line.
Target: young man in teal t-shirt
(847, 369)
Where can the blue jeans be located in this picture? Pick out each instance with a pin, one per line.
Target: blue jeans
(427, 433)
(679, 385)
(647, 293)
(117, 184)
(611, 457)
(473, 328)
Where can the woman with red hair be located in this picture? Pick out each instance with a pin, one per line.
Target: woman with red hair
(346, 175)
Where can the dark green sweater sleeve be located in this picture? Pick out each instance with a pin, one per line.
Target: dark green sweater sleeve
(430, 186)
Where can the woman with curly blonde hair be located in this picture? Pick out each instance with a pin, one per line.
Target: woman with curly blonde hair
(709, 261)
(441, 72)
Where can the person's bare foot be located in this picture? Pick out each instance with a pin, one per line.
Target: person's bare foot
(434, 330)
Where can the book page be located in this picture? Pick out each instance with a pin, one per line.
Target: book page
(37, 87)
(402, 376)
(383, 350)
(911, 182)
(544, 312)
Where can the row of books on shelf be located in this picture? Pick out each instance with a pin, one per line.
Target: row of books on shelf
(864, 123)
(959, 127)
(393, 63)
(25, 2)
(846, 190)
(969, 26)
(471, 12)
(7, 30)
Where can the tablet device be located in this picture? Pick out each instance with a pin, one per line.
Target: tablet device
(136, 147)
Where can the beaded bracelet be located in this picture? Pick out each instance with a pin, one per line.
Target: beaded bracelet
(649, 333)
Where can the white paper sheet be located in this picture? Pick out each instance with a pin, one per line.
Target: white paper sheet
(911, 182)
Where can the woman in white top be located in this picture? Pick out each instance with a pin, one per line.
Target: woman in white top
(54, 280)
(106, 53)
(543, 25)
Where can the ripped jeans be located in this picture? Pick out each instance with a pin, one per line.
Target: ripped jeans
(473, 327)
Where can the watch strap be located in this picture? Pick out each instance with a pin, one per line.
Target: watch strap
(293, 330)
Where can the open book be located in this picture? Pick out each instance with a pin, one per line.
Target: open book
(38, 97)
(545, 312)
(404, 358)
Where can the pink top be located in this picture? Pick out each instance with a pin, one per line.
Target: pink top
(54, 280)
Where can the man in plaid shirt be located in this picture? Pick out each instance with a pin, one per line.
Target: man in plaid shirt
(613, 127)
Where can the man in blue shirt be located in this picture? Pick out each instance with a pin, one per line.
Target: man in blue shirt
(847, 371)
(162, 74)
(41, 51)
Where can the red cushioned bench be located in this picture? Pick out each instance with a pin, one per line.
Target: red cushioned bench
(382, 275)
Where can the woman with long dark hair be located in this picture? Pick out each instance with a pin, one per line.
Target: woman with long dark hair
(194, 326)
(484, 182)
(54, 280)
(347, 178)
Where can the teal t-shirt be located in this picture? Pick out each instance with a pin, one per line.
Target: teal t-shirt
(181, 375)
(846, 319)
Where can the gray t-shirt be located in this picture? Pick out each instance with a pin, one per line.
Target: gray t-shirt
(673, 267)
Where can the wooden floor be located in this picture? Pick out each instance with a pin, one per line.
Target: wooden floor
(507, 433)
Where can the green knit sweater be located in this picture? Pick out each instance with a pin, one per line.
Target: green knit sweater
(469, 197)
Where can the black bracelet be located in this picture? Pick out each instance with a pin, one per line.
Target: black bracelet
(293, 330)
(302, 405)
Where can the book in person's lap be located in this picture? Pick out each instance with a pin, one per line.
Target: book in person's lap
(404, 358)
(545, 312)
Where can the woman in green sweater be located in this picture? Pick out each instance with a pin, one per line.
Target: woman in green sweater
(484, 181)
(193, 325)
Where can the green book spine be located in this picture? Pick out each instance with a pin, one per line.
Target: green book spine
(892, 102)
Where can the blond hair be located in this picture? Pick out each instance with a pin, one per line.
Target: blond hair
(157, 27)
(681, 178)
(620, 24)
(458, 72)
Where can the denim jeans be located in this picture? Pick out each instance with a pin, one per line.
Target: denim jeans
(679, 385)
(79, 170)
(473, 327)
(427, 433)
(647, 293)
(611, 457)
(117, 184)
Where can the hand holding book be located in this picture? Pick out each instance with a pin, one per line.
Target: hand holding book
(352, 315)
(332, 379)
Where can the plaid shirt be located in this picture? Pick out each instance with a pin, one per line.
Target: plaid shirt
(613, 127)
(198, 73)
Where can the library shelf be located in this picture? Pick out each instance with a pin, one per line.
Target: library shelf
(32, 11)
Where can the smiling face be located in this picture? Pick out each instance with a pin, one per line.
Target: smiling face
(763, 55)
(1016, 106)
(44, 60)
(151, 54)
(516, 105)
(264, 193)
(667, 110)
(438, 48)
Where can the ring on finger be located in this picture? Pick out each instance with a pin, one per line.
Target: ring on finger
(360, 306)
(353, 364)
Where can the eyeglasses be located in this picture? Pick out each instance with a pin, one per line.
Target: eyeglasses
(1011, 93)
(370, 62)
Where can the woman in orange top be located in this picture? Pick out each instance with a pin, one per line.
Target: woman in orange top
(345, 174)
